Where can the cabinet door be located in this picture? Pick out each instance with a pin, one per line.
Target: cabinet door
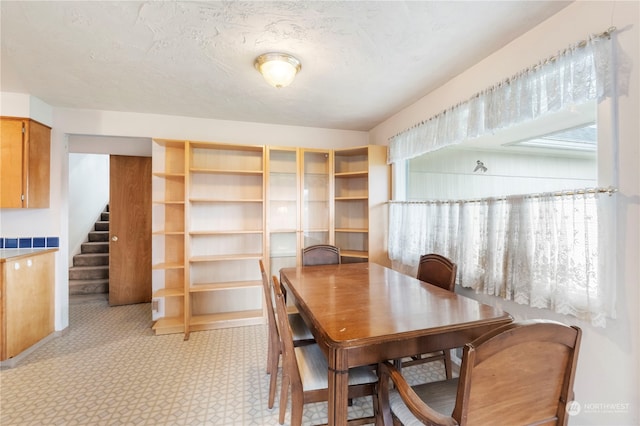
(283, 209)
(11, 162)
(29, 291)
(38, 165)
(317, 195)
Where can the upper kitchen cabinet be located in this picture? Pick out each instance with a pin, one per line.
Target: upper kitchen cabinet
(25, 153)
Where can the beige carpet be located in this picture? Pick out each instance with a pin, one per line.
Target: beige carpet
(109, 369)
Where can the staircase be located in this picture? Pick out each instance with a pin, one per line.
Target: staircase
(90, 271)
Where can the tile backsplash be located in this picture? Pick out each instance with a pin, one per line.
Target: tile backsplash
(29, 242)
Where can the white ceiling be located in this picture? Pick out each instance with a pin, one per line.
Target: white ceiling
(362, 61)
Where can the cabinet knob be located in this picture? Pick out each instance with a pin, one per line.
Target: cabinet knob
(114, 238)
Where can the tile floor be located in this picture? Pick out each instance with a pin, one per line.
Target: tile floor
(109, 369)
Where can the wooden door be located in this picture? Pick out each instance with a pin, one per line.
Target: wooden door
(129, 230)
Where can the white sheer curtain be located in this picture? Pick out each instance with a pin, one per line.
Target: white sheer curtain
(543, 250)
(539, 250)
(579, 74)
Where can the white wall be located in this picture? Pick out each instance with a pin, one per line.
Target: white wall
(136, 125)
(447, 174)
(608, 377)
(88, 195)
(110, 145)
(128, 134)
(19, 105)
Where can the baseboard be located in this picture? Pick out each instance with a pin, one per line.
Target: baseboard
(13, 362)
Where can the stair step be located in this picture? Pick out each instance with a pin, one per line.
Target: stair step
(91, 259)
(98, 236)
(95, 247)
(102, 225)
(88, 286)
(88, 272)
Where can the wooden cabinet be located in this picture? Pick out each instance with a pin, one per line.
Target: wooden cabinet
(25, 152)
(283, 208)
(299, 200)
(27, 282)
(362, 188)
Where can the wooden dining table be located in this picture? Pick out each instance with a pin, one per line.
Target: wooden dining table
(365, 313)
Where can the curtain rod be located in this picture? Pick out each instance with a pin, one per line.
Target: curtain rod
(580, 44)
(600, 190)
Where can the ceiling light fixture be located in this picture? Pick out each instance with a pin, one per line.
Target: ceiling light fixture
(279, 69)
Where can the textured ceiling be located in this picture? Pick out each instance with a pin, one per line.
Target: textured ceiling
(361, 61)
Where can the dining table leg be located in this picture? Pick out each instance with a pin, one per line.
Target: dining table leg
(338, 394)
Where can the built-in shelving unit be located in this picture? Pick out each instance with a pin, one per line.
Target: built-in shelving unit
(225, 240)
(168, 236)
(361, 182)
(219, 208)
(300, 207)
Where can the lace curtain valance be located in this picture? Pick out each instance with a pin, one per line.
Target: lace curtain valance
(579, 74)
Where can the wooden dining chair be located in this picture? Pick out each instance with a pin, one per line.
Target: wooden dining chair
(321, 254)
(300, 333)
(517, 374)
(305, 372)
(440, 271)
(437, 270)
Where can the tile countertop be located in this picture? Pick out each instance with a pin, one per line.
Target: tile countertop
(12, 254)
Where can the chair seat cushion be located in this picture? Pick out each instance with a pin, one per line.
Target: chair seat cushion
(441, 396)
(314, 369)
(299, 328)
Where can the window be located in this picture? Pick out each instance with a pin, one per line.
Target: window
(520, 160)
(494, 170)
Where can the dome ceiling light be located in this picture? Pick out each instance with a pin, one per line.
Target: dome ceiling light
(279, 69)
